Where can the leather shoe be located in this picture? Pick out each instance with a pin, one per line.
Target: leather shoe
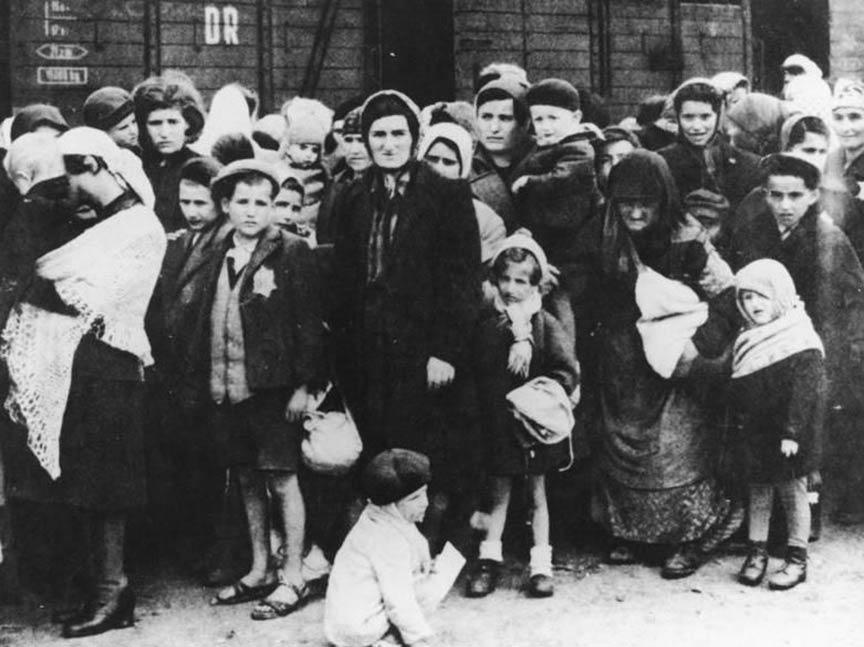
(483, 578)
(753, 569)
(541, 586)
(792, 573)
(683, 563)
(115, 612)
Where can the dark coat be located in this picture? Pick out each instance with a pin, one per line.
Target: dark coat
(784, 401)
(423, 305)
(560, 196)
(736, 171)
(829, 279)
(552, 357)
(282, 330)
(164, 174)
(491, 185)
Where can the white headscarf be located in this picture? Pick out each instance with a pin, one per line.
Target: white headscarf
(456, 135)
(229, 115)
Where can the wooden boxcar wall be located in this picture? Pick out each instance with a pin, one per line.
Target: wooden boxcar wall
(847, 34)
(60, 50)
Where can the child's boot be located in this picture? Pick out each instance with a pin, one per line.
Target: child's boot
(794, 571)
(541, 584)
(484, 576)
(753, 569)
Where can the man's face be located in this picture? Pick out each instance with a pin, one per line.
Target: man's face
(497, 127)
(698, 122)
(167, 130)
(390, 142)
(197, 205)
(249, 208)
(789, 199)
(125, 133)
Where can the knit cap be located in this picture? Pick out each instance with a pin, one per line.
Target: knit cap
(394, 474)
(508, 85)
(848, 93)
(705, 199)
(107, 107)
(308, 120)
(553, 92)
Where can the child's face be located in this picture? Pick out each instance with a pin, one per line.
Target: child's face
(303, 155)
(813, 149)
(552, 124)
(249, 208)
(356, 155)
(849, 126)
(125, 133)
(413, 507)
(758, 308)
(514, 282)
(698, 122)
(197, 205)
(638, 215)
(167, 130)
(287, 207)
(444, 161)
(789, 199)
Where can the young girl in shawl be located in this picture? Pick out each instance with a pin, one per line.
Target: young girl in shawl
(778, 382)
(518, 341)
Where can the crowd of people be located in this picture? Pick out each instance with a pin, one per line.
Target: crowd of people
(485, 293)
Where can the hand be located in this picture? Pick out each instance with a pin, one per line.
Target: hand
(788, 447)
(297, 405)
(814, 480)
(551, 280)
(520, 358)
(519, 184)
(439, 373)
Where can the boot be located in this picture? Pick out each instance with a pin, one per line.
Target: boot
(793, 572)
(683, 563)
(541, 584)
(753, 569)
(115, 610)
(483, 578)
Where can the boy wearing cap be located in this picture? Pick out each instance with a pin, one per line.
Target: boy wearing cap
(372, 595)
(257, 353)
(111, 109)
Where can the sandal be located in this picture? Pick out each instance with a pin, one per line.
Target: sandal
(242, 592)
(270, 609)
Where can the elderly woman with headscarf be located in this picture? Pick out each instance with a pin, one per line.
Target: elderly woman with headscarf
(701, 158)
(406, 290)
(661, 297)
(74, 346)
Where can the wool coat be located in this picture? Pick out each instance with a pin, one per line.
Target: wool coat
(164, 174)
(280, 309)
(783, 401)
(423, 305)
(830, 281)
(552, 356)
(491, 185)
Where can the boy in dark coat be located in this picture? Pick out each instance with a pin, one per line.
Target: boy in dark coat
(257, 355)
(779, 389)
(517, 342)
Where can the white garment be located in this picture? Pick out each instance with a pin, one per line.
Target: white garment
(108, 273)
(374, 578)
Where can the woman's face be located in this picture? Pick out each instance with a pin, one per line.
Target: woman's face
(390, 142)
(444, 161)
(813, 149)
(849, 126)
(638, 214)
(758, 308)
(125, 133)
(611, 155)
(497, 127)
(697, 121)
(356, 155)
(167, 130)
(413, 507)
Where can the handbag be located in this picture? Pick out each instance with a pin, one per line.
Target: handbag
(332, 444)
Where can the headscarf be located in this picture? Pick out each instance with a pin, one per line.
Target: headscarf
(807, 65)
(728, 81)
(454, 135)
(760, 118)
(229, 114)
(789, 332)
(642, 174)
(848, 93)
(31, 117)
(411, 112)
(810, 95)
(121, 163)
(33, 158)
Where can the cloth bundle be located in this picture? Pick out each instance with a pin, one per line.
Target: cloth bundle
(544, 409)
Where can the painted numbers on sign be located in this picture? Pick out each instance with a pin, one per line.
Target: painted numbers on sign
(61, 52)
(221, 26)
(56, 11)
(61, 75)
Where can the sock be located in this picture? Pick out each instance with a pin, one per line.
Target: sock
(541, 560)
(491, 550)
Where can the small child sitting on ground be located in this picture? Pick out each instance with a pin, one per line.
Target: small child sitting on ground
(779, 386)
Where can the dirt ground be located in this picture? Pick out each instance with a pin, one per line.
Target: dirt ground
(595, 605)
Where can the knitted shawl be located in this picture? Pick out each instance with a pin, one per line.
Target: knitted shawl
(107, 273)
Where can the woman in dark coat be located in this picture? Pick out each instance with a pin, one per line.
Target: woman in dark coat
(655, 483)
(702, 158)
(406, 291)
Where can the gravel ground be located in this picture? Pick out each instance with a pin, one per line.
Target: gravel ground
(595, 605)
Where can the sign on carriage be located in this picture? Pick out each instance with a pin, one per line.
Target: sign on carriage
(61, 75)
(61, 52)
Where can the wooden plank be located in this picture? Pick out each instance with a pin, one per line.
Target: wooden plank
(468, 41)
(558, 25)
(339, 57)
(632, 44)
(558, 7)
(128, 10)
(487, 23)
(578, 42)
(192, 33)
(79, 31)
(111, 55)
(240, 56)
(556, 59)
(487, 6)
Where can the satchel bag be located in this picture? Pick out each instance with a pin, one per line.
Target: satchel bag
(332, 444)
